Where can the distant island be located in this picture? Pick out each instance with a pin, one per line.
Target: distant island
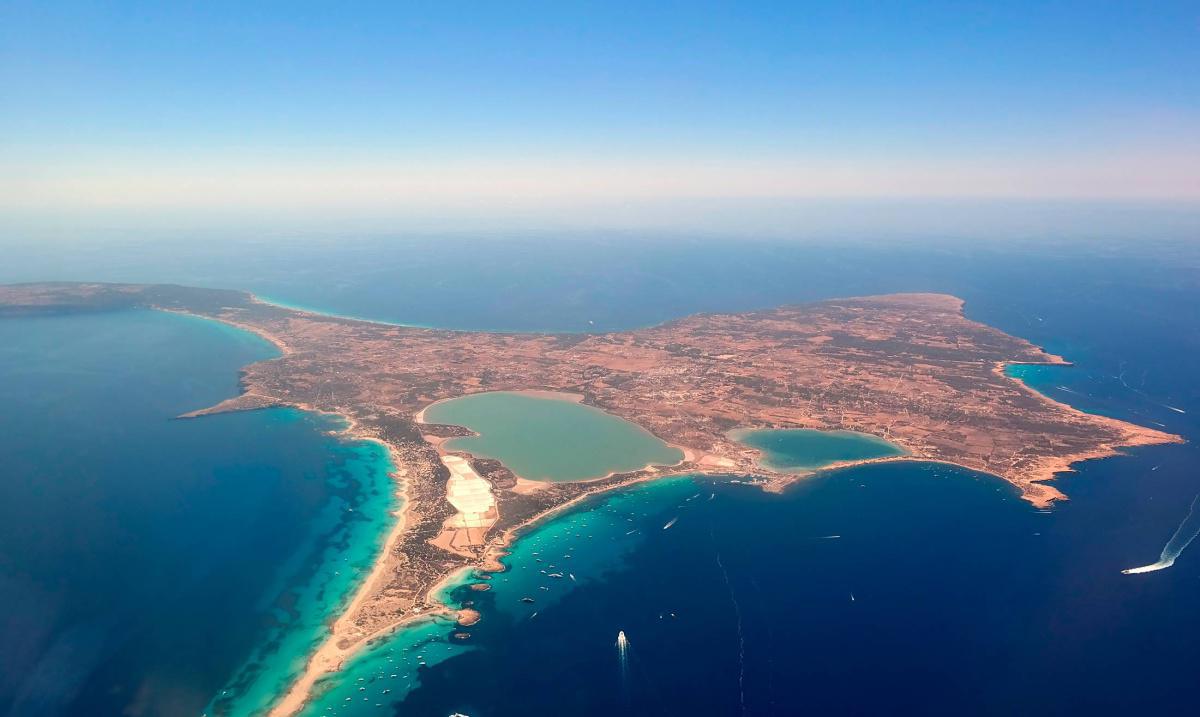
(907, 368)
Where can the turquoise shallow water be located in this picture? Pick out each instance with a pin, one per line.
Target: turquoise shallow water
(805, 449)
(1059, 383)
(550, 439)
(386, 671)
(150, 564)
(317, 580)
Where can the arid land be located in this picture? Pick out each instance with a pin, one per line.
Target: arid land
(910, 368)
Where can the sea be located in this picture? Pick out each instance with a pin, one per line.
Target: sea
(153, 566)
(150, 565)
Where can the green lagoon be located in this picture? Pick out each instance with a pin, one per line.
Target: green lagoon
(805, 449)
(550, 439)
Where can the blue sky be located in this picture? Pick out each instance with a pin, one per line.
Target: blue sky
(371, 106)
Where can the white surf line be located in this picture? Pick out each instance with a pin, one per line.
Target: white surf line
(1176, 410)
(1184, 535)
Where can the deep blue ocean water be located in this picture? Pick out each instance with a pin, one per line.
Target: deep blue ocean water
(965, 600)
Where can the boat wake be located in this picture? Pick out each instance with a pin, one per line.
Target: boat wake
(1121, 377)
(1184, 535)
(741, 636)
(623, 655)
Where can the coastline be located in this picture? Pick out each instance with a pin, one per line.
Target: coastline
(343, 644)
(268, 301)
(497, 548)
(1038, 491)
(333, 651)
(268, 387)
(279, 343)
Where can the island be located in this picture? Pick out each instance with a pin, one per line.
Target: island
(907, 368)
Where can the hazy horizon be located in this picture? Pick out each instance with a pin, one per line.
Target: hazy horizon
(785, 119)
(809, 220)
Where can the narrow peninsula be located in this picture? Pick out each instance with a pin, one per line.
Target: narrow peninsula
(908, 368)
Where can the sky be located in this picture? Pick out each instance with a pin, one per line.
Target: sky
(564, 111)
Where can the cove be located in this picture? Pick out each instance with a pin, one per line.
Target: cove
(805, 449)
(549, 439)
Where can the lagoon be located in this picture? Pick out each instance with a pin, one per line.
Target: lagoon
(806, 449)
(549, 439)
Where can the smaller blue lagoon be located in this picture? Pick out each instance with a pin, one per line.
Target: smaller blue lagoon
(806, 449)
